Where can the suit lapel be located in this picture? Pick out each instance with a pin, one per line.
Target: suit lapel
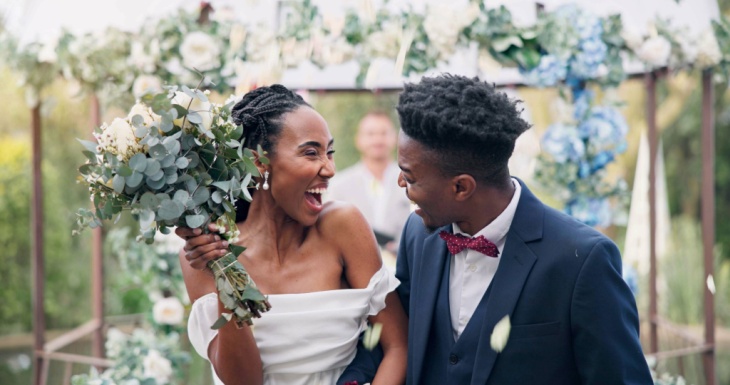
(424, 293)
(514, 267)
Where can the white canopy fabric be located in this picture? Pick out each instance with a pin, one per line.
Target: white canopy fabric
(43, 19)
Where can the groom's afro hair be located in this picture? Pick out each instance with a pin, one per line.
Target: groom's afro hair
(260, 112)
(470, 126)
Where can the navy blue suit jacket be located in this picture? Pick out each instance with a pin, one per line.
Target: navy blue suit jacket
(574, 320)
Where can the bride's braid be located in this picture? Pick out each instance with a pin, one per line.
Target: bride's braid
(260, 113)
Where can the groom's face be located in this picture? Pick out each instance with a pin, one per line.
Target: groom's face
(425, 184)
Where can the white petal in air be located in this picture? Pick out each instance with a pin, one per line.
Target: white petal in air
(711, 284)
(500, 334)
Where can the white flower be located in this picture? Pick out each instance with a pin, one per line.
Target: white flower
(294, 52)
(655, 51)
(444, 23)
(200, 51)
(261, 42)
(386, 42)
(146, 113)
(140, 59)
(708, 51)
(146, 84)
(688, 46)
(168, 311)
(47, 54)
(224, 14)
(168, 243)
(203, 108)
(500, 334)
(633, 38)
(158, 367)
(118, 138)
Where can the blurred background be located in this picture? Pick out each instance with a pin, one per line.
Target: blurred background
(343, 91)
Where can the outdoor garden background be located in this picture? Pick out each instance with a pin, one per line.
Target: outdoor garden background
(139, 276)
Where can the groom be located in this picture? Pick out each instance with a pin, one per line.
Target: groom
(480, 247)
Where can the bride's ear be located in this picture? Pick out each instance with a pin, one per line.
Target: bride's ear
(257, 161)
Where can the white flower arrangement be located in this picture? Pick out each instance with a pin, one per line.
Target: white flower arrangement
(200, 51)
(655, 51)
(146, 84)
(168, 311)
(444, 23)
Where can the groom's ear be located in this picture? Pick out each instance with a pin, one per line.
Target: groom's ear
(463, 186)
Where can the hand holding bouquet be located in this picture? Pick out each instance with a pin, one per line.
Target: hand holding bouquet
(176, 160)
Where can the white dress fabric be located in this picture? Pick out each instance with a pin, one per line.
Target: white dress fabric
(306, 338)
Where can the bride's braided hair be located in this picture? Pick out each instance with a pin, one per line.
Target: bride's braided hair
(260, 113)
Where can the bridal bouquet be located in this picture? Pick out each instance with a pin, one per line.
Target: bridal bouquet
(176, 160)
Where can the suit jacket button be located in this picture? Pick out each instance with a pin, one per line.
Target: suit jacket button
(453, 359)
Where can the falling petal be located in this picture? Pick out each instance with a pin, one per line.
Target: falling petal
(405, 45)
(711, 284)
(500, 334)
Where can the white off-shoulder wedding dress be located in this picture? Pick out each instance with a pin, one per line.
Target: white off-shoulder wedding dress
(306, 338)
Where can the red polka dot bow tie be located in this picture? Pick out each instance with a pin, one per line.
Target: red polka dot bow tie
(456, 243)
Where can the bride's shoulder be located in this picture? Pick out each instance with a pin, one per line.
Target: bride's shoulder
(341, 216)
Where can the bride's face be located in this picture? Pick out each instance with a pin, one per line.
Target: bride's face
(301, 165)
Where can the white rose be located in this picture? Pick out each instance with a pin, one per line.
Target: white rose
(443, 24)
(140, 59)
(386, 42)
(158, 367)
(146, 113)
(688, 46)
(655, 51)
(203, 108)
(118, 138)
(294, 52)
(200, 51)
(146, 84)
(500, 334)
(708, 51)
(47, 54)
(168, 311)
(633, 38)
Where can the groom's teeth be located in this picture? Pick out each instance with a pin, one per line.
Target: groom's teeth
(317, 191)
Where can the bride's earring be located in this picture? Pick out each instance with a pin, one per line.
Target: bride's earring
(266, 180)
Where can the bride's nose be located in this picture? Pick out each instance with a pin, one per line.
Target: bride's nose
(328, 169)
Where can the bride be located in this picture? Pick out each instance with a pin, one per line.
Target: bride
(318, 263)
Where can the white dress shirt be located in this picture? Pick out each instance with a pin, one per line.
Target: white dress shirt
(472, 272)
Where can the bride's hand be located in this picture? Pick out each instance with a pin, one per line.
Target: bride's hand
(202, 248)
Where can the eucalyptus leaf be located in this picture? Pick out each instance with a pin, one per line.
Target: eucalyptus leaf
(153, 167)
(194, 117)
(118, 184)
(170, 210)
(219, 323)
(141, 131)
(149, 201)
(124, 170)
(194, 221)
(236, 249)
(90, 156)
(167, 161)
(90, 146)
(156, 184)
(201, 195)
(157, 176)
(223, 185)
(503, 43)
(146, 218)
(182, 162)
(217, 197)
(138, 162)
(158, 151)
(134, 180)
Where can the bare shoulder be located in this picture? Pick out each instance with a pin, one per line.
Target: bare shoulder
(341, 216)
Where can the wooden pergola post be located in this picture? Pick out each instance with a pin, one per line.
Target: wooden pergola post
(97, 263)
(708, 220)
(650, 82)
(36, 239)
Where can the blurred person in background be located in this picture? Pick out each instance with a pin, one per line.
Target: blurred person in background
(372, 183)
